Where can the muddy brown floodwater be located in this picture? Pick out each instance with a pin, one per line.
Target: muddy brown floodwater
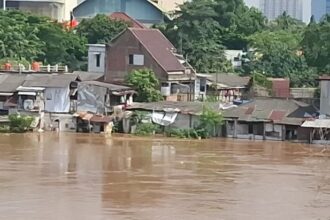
(79, 176)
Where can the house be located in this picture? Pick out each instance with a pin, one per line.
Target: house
(50, 93)
(228, 87)
(102, 98)
(136, 49)
(269, 119)
(234, 57)
(320, 127)
(144, 11)
(56, 9)
(8, 94)
(96, 58)
(181, 115)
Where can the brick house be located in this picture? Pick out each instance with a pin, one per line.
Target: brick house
(138, 48)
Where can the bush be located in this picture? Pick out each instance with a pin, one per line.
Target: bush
(186, 133)
(146, 129)
(4, 129)
(19, 124)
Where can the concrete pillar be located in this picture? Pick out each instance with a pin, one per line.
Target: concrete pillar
(283, 132)
(264, 131)
(235, 128)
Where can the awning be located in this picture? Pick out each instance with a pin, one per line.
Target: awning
(27, 93)
(23, 88)
(317, 123)
(6, 93)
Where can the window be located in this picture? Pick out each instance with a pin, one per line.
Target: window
(136, 59)
(98, 60)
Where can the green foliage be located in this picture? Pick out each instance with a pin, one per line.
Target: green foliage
(145, 129)
(24, 36)
(101, 29)
(316, 44)
(209, 120)
(277, 52)
(182, 133)
(19, 123)
(202, 29)
(146, 84)
(261, 80)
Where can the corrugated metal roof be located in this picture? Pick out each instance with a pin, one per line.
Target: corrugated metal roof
(87, 76)
(271, 109)
(111, 87)
(10, 82)
(228, 80)
(276, 115)
(159, 47)
(317, 123)
(194, 108)
(49, 81)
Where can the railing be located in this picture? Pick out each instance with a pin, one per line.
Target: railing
(47, 68)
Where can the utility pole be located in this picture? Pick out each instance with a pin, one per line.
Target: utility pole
(4, 5)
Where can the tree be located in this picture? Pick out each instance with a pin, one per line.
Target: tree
(196, 33)
(101, 29)
(146, 84)
(276, 52)
(24, 36)
(202, 29)
(209, 120)
(18, 39)
(316, 44)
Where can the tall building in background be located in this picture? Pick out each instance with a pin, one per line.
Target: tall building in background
(55, 9)
(299, 9)
(319, 8)
(328, 6)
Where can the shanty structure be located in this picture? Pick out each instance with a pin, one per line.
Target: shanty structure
(228, 87)
(48, 92)
(8, 94)
(101, 98)
(269, 119)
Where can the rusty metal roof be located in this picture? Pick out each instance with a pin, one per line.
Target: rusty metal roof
(159, 47)
(124, 17)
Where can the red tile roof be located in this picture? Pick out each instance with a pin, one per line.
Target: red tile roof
(124, 17)
(159, 47)
(276, 115)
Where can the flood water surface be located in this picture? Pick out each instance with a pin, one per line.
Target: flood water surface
(78, 176)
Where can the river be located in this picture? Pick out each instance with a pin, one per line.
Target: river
(84, 176)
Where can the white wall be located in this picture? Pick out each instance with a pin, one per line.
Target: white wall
(325, 97)
(93, 50)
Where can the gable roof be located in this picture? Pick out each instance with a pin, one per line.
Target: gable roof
(280, 111)
(159, 47)
(124, 17)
